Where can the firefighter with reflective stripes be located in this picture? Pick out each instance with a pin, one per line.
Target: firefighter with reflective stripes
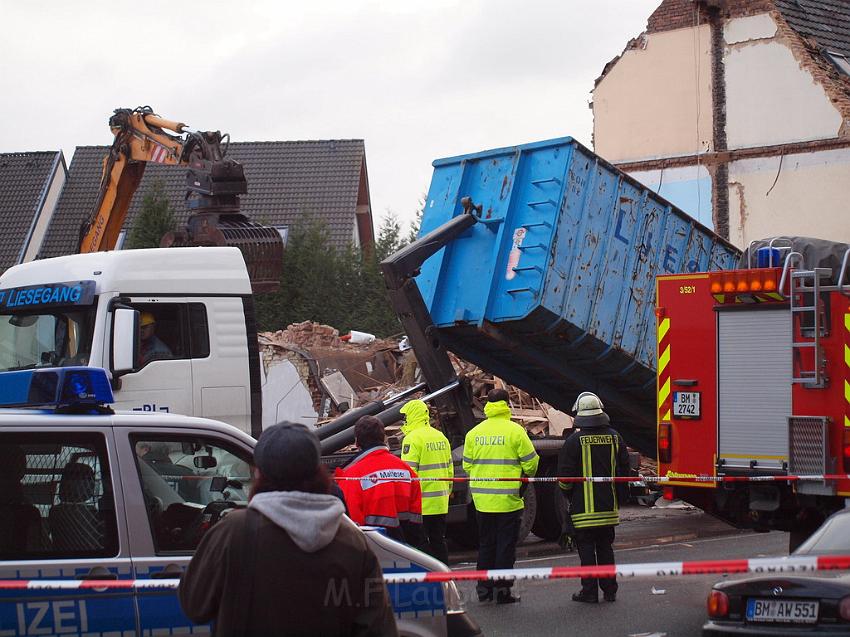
(593, 450)
(427, 451)
(498, 448)
(384, 495)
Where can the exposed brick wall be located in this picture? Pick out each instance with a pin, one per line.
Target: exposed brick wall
(720, 190)
(676, 14)
(679, 14)
(807, 53)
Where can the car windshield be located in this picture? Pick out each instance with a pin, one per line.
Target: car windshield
(56, 337)
(833, 537)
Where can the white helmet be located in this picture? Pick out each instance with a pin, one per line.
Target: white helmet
(587, 404)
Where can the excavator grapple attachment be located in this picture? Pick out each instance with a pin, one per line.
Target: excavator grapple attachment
(261, 246)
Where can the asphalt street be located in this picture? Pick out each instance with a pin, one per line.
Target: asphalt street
(656, 607)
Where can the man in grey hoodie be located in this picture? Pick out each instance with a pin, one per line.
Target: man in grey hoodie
(291, 563)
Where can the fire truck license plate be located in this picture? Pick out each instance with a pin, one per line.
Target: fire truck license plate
(686, 404)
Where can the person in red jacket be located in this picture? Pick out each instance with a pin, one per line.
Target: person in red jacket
(384, 495)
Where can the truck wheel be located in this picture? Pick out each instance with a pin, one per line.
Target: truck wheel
(551, 507)
(465, 534)
(528, 513)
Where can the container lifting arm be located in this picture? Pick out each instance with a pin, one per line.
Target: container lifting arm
(399, 271)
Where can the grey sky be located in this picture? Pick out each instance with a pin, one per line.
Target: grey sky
(417, 80)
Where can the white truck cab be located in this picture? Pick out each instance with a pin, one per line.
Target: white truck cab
(66, 311)
(86, 493)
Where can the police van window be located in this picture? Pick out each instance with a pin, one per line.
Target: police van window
(55, 497)
(189, 483)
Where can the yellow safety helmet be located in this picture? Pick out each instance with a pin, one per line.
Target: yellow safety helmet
(147, 318)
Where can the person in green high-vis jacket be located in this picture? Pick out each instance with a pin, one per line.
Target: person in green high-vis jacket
(498, 448)
(427, 451)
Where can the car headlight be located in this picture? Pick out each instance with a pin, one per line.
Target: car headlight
(454, 603)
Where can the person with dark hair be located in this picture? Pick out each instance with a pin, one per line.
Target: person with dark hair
(594, 450)
(316, 574)
(498, 448)
(384, 493)
(75, 524)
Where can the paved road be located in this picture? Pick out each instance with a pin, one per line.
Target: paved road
(679, 611)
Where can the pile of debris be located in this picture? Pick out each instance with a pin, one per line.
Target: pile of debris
(539, 418)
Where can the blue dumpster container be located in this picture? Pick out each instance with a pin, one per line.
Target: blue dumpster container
(554, 289)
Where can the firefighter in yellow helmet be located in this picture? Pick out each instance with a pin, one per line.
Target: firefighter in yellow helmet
(427, 451)
(594, 450)
(498, 448)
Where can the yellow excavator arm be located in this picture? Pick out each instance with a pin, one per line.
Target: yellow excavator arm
(213, 186)
(140, 137)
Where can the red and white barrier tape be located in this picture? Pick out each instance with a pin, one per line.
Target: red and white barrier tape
(757, 566)
(638, 479)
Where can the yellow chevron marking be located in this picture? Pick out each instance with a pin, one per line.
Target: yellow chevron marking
(662, 329)
(664, 359)
(847, 322)
(664, 392)
(846, 421)
(847, 391)
(847, 355)
(720, 298)
(775, 295)
(666, 416)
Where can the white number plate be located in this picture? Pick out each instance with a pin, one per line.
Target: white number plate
(779, 610)
(686, 404)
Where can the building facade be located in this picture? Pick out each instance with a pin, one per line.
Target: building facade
(737, 111)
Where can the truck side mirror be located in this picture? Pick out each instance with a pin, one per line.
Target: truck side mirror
(125, 340)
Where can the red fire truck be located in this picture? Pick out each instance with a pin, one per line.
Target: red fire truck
(754, 380)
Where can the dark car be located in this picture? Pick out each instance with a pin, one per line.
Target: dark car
(788, 606)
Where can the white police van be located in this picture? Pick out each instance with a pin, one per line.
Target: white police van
(86, 493)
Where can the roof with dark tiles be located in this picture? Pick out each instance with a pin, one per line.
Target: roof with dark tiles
(826, 21)
(24, 181)
(287, 182)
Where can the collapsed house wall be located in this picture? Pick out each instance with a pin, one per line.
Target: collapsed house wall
(778, 155)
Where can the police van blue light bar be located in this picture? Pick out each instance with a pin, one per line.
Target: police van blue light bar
(55, 387)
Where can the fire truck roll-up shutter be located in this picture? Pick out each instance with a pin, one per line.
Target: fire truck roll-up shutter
(754, 389)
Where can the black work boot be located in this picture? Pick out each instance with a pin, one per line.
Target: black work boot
(581, 596)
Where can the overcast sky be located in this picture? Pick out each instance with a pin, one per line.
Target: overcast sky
(416, 79)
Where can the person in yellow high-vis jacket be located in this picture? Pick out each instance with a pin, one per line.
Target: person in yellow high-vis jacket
(427, 451)
(498, 448)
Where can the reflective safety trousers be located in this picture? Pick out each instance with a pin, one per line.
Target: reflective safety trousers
(384, 495)
(498, 448)
(593, 452)
(426, 450)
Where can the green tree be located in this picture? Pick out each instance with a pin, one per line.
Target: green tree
(339, 287)
(154, 220)
(416, 224)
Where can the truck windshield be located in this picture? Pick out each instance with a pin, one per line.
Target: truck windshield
(55, 337)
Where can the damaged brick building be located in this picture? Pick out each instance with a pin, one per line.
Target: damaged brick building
(737, 111)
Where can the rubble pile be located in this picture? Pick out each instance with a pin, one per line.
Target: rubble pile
(380, 368)
(306, 334)
(539, 418)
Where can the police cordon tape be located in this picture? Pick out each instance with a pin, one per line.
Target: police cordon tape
(678, 478)
(756, 566)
